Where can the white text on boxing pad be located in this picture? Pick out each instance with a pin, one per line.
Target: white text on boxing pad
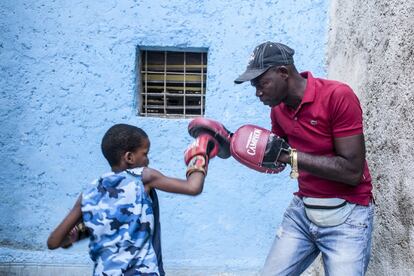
(252, 141)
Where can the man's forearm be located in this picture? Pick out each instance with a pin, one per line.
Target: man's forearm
(334, 168)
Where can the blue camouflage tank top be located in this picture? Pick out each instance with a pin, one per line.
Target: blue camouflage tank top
(119, 215)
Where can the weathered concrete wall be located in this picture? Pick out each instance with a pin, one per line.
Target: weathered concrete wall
(371, 47)
(67, 73)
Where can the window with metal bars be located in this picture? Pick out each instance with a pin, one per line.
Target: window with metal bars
(172, 83)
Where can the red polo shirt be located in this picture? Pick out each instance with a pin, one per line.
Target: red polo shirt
(329, 109)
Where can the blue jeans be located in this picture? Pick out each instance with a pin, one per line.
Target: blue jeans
(345, 248)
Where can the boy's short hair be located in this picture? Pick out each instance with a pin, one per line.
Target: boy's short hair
(119, 139)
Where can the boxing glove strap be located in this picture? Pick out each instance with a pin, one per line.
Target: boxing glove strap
(197, 164)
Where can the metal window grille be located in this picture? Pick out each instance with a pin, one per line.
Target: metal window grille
(173, 84)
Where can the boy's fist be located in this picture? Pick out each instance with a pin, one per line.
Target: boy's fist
(201, 125)
(199, 152)
(77, 233)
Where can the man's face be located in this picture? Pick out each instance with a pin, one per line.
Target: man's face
(271, 87)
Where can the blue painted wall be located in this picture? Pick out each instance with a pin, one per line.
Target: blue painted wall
(68, 73)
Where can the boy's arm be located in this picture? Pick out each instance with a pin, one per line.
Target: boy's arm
(192, 186)
(196, 157)
(60, 236)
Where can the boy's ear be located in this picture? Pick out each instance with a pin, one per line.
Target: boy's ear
(129, 157)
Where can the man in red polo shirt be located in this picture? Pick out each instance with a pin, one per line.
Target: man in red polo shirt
(331, 213)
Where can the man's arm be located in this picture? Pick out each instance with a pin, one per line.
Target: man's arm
(346, 166)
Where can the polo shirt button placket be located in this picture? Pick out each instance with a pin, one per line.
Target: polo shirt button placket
(295, 124)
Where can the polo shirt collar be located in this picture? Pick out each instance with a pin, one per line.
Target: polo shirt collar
(309, 95)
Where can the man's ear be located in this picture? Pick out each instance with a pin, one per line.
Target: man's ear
(128, 157)
(283, 70)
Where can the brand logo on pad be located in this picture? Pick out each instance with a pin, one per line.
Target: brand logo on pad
(252, 141)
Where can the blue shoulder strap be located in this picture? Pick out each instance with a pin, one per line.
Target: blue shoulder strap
(156, 239)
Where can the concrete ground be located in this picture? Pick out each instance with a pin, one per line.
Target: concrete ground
(25, 269)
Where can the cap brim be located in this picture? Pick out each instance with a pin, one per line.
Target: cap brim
(250, 74)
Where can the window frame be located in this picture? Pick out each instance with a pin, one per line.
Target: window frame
(142, 92)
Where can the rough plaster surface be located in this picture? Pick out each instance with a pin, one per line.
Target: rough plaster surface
(68, 73)
(371, 47)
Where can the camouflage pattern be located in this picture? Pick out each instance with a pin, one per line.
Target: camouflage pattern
(119, 215)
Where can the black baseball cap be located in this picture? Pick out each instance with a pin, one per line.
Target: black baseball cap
(264, 56)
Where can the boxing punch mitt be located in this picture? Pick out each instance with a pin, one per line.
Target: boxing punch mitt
(201, 125)
(258, 149)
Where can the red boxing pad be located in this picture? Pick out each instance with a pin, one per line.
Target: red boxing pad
(201, 125)
(248, 146)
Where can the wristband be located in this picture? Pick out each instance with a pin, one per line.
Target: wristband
(197, 164)
(294, 173)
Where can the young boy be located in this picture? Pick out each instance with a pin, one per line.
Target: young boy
(119, 213)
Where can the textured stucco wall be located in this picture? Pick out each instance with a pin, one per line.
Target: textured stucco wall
(68, 73)
(371, 47)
